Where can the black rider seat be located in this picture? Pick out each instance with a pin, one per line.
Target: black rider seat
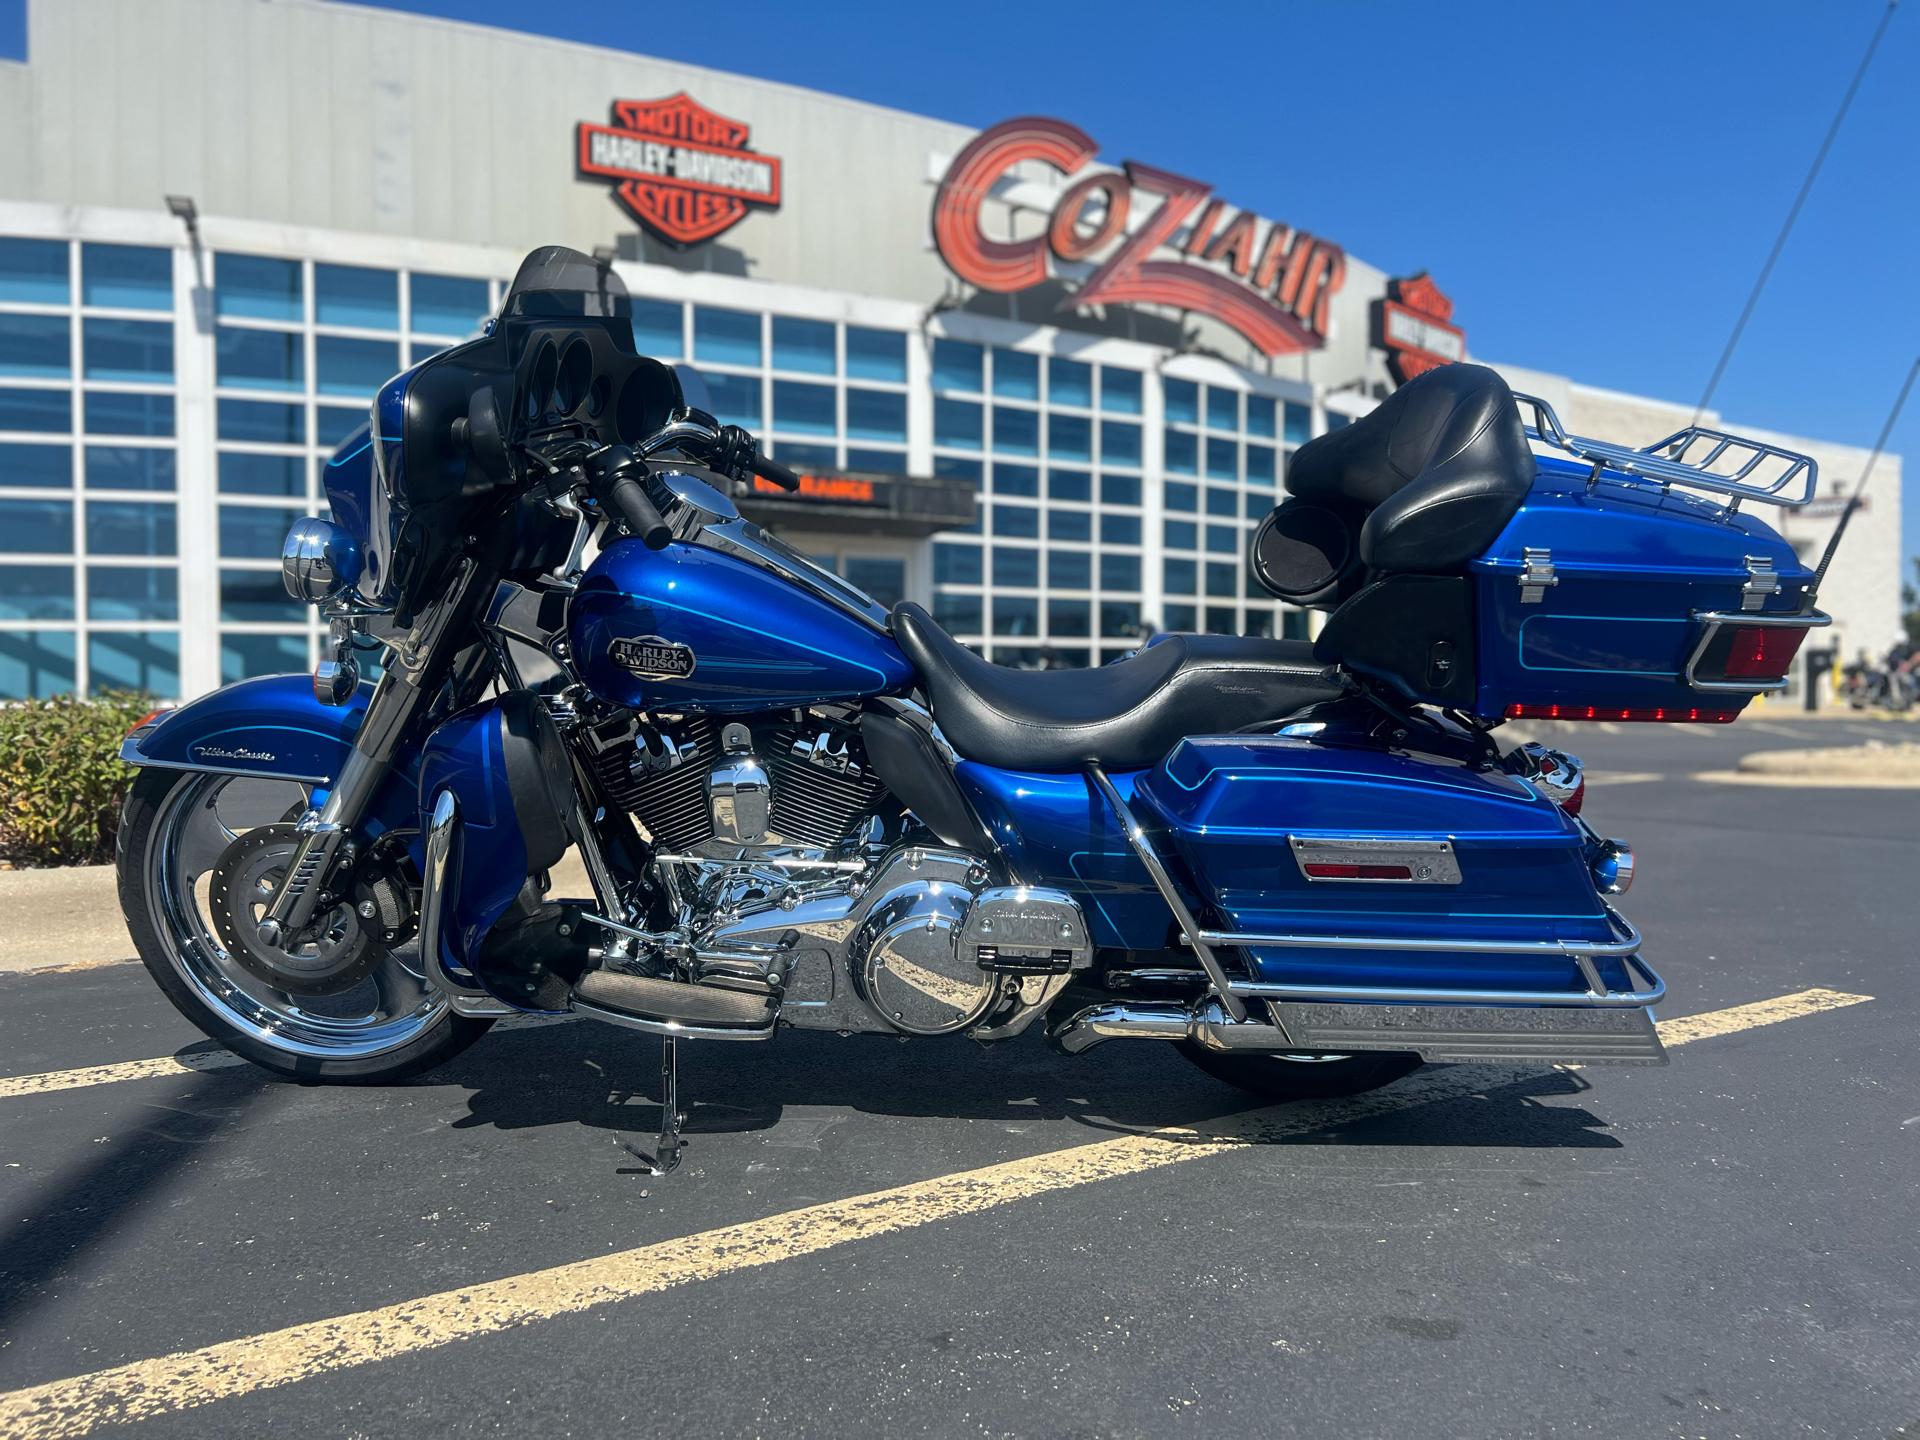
(1124, 716)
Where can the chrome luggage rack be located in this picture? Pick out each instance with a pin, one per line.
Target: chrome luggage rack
(1665, 462)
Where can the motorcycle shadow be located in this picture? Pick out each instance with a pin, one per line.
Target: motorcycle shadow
(793, 1088)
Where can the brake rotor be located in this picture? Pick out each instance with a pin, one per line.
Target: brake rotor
(333, 954)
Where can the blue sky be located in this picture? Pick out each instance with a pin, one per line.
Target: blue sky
(1596, 186)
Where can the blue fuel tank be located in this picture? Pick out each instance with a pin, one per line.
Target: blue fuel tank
(687, 628)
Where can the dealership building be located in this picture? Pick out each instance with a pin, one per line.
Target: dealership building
(1045, 394)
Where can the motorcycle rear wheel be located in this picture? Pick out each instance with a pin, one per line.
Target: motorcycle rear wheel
(1319, 1077)
(175, 826)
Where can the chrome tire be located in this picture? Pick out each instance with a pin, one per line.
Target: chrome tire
(381, 1022)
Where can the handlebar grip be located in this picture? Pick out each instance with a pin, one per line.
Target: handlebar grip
(630, 502)
(776, 472)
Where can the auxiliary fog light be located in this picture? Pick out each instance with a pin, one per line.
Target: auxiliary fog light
(318, 560)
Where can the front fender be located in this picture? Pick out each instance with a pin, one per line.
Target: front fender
(270, 727)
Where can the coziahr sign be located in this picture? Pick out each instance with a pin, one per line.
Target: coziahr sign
(682, 171)
(1270, 282)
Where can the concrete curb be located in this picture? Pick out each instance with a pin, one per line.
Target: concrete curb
(61, 918)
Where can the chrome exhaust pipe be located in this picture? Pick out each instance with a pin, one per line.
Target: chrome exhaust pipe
(1206, 1023)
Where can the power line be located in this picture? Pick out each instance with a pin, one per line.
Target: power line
(1766, 271)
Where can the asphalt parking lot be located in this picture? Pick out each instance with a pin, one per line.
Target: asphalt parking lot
(1723, 1247)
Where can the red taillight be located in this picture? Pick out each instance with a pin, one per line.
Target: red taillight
(1671, 715)
(1358, 872)
(1763, 651)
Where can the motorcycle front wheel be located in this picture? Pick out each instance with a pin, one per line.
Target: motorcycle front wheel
(1302, 1077)
(195, 850)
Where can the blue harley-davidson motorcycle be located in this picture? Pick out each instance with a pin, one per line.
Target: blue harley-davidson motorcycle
(1309, 866)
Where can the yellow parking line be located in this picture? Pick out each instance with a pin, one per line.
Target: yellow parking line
(170, 1383)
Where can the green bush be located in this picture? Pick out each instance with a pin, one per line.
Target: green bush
(61, 777)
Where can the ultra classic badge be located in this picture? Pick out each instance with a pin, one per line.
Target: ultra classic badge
(653, 657)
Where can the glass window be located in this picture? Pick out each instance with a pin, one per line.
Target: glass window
(726, 337)
(262, 474)
(1119, 490)
(1223, 408)
(256, 287)
(1070, 382)
(1258, 504)
(1260, 415)
(956, 423)
(260, 359)
(956, 365)
(36, 664)
(347, 366)
(1119, 529)
(1179, 577)
(954, 467)
(138, 350)
(1016, 565)
(134, 592)
(1183, 452)
(805, 408)
(1223, 502)
(805, 345)
(1300, 424)
(119, 467)
(110, 414)
(1119, 390)
(956, 564)
(456, 305)
(1223, 459)
(1070, 569)
(1070, 525)
(357, 296)
(36, 592)
(1293, 624)
(1016, 374)
(262, 421)
(255, 532)
(798, 456)
(1119, 443)
(41, 466)
(1183, 400)
(1223, 578)
(1181, 497)
(1180, 534)
(1070, 437)
(36, 346)
(257, 597)
(36, 527)
(1015, 479)
(876, 415)
(43, 411)
(418, 353)
(34, 272)
(1016, 432)
(1016, 615)
(1069, 617)
(244, 656)
(1180, 617)
(1259, 622)
(1220, 620)
(736, 398)
(957, 614)
(879, 462)
(883, 577)
(332, 424)
(1069, 485)
(135, 527)
(656, 328)
(1119, 572)
(1021, 520)
(1223, 539)
(127, 277)
(1259, 465)
(1120, 619)
(877, 355)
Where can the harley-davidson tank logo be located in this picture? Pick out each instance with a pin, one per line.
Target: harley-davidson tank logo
(682, 171)
(653, 657)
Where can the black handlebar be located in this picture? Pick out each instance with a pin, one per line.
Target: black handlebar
(617, 477)
(773, 470)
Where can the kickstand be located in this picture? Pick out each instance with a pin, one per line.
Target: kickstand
(667, 1149)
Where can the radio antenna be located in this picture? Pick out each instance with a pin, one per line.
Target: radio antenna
(1853, 501)
(1806, 188)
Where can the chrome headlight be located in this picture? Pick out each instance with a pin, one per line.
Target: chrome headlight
(318, 560)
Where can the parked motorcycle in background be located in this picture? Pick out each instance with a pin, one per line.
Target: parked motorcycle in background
(1308, 866)
(1892, 684)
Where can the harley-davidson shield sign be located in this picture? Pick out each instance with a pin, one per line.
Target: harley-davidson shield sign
(682, 171)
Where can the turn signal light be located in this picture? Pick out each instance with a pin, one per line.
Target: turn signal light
(1357, 872)
(1763, 652)
(1671, 715)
